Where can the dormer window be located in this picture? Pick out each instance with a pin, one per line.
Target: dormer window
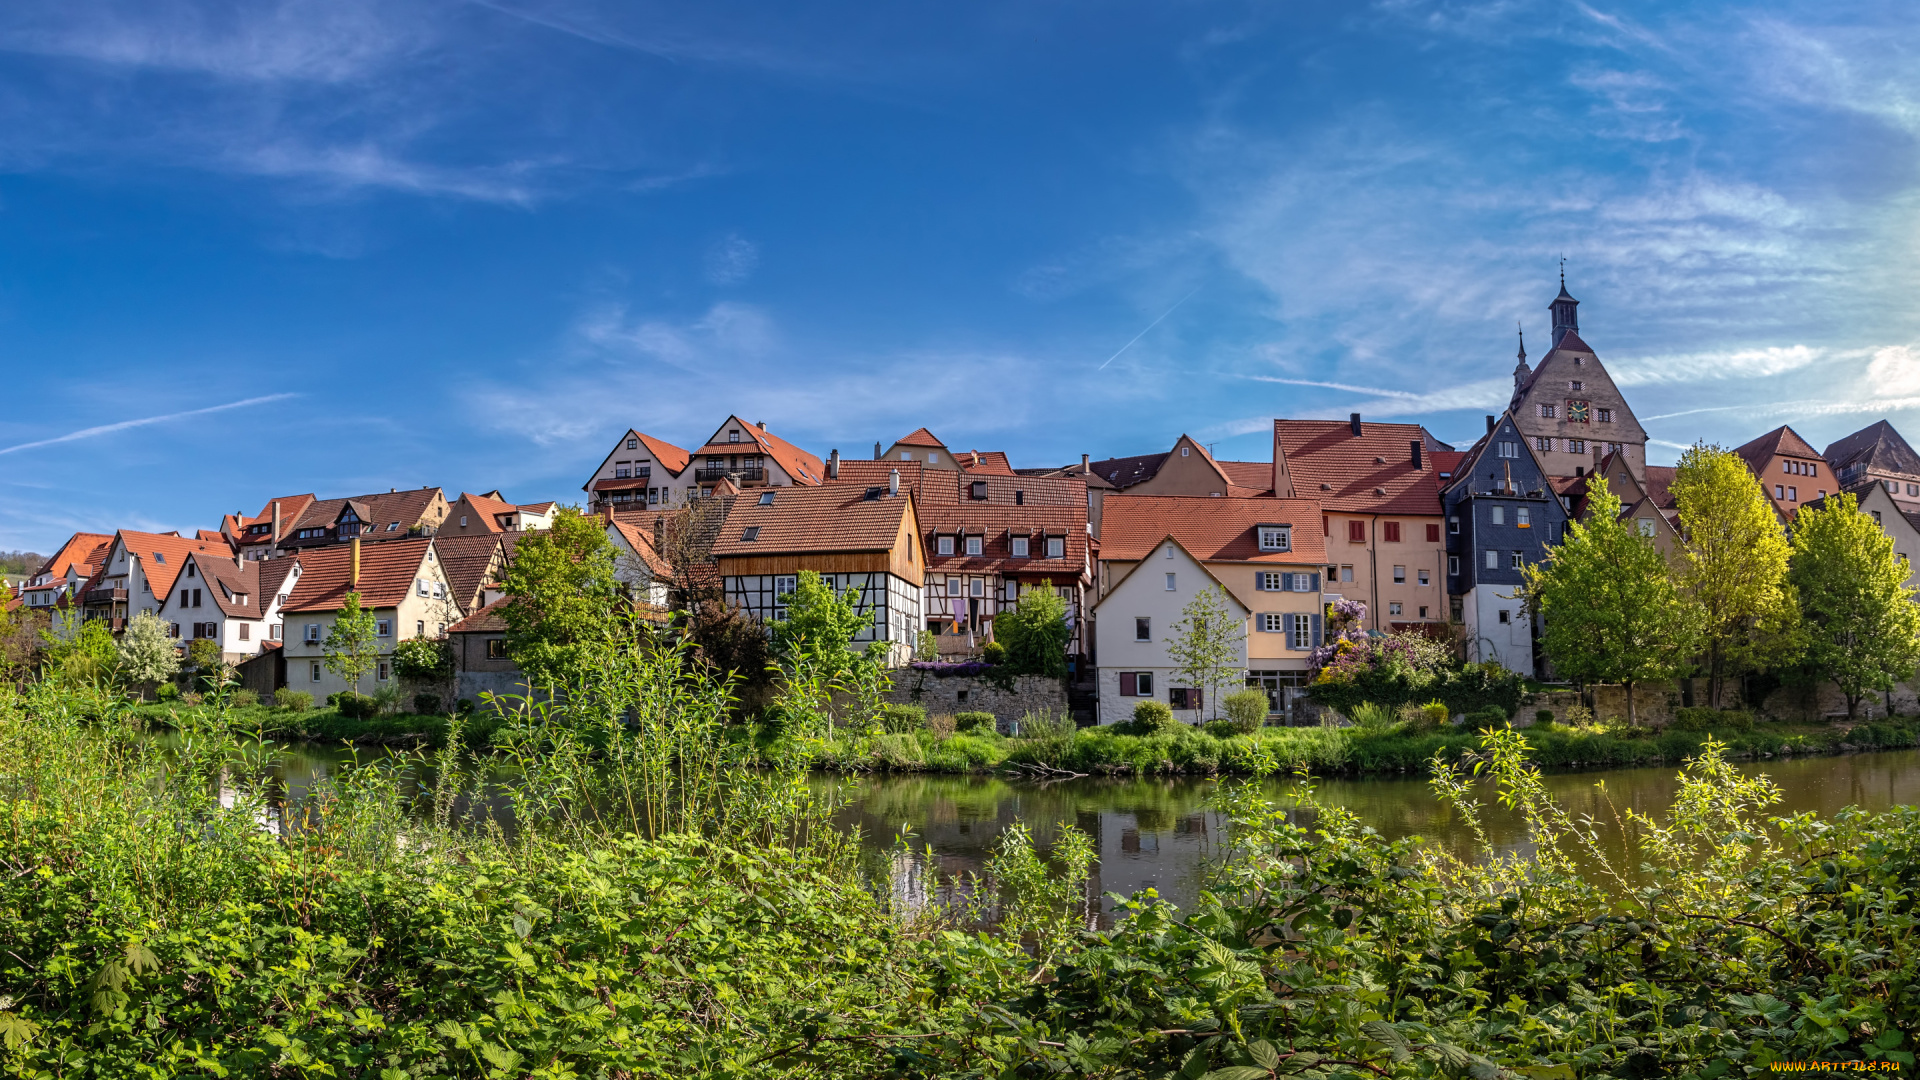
(1056, 547)
(979, 490)
(1019, 546)
(943, 545)
(976, 545)
(1276, 538)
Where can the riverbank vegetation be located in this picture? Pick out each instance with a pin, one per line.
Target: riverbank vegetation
(662, 908)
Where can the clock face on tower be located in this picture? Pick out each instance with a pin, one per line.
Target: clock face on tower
(1577, 412)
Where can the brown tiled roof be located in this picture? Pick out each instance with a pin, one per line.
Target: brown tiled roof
(835, 517)
(921, 437)
(1347, 472)
(83, 549)
(1125, 472)
(379, 510)
(1255, 477)
(986, 462)
(1660, 486)
(1782, 440)
(273, 575)
(485, 621)
(291, 507)
(387, 572)
(944, 502)
(488, 508)
(670, 457)
(802, 466)
(1216, 530)
(467, 561)
(1878, 445)
(542, 508)
(226, 583)
(639, 539)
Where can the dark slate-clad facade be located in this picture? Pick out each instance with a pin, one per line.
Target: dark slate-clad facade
(1502, 513)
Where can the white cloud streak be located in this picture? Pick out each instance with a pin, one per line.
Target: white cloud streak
(125, 425)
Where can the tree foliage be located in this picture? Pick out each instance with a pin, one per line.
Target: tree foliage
(564, 604)
(423, 660)
(1862, 627)
(81, 651)
(1035, 632)
(1733, 566)
(146, 652)
(350, 648)
(1208, 644)
(1609, 609)
(824, 681)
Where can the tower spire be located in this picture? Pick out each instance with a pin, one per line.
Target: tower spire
(1565, 309)
(1520, 369)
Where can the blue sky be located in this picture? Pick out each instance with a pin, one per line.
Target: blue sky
(263, 248)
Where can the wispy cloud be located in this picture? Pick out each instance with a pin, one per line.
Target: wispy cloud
(731, 260)
(145, 421)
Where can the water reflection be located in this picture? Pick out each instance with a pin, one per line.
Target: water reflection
(1157, 833)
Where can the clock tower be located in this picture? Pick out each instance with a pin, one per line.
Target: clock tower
(1567, 406)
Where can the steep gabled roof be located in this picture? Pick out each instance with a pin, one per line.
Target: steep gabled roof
(468, 562)
(401, 509)
(1368, 473)
(1782, 440)
(83, 550)
(163, 555)
(1476, 454)
(1876, 446)
(1125, 472)
(387, 573)
(227, 583)
(1034, 507)
(639, 540)
(273, 575)
(835, 517)
(488, 508)
(1113, 587)
(803, 467)
(986, 462)
(921, 437)
(1212, 529)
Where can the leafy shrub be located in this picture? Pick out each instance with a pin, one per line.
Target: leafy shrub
(423, 659)
(191, 698)
(1373, 716)
(1220, 729)
(1543, 716)
(975, 721)
(1491, 716)
(1577, 716)
(1035, 632)
(1047, 725)
(351, 705)
(1246, 710)
(242, 698)
(901, 719)
(1420, 719)
(942, 725)
(1701, 718)
(994, 653)
(167, 691)
(292, 700)
(898, 751)
(1155, 718)
(426, 703)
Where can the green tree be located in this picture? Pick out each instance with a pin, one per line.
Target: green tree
(564, 607)
(81, 651)
(813, 649)
(1733, 566)
(1208, 643)
(350, 647)
(1609, 609)
(821, 623)
(146, 652)
(1862, 628)
(1035, 632)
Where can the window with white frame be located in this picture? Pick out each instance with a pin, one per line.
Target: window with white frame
(383, 628)
(784, 586)
(1171, 586)
(1522, 517)
(1143, 629)
(1424, 578)
(1453, 565)
(1271, 623)
(1276, 538)
(1516, 560)
(315, 676)
(1498, 515)
(1399, 575)
(954, 588)
(1509, 449)
(1646, 526)
(1453, 524)
(1274, 581)
(943, 545)
(1056, 547)
(1393, 607)
(975, 544)
(1493, 559)
(313, 631)
(977, 587)
(1302, 632)
(1020, 547)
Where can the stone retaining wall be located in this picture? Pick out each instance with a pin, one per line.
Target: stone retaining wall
(970, 693)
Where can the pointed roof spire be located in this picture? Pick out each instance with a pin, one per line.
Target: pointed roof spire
(1565, 308)
(1523, 341)
(1521, 372)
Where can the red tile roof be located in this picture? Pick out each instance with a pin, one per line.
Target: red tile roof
(487, 508)
(1216, 530)
(670, 457)
(803, 467)
(1254, 476)
(469, 562)
(227, 583)
(291, 507)
(986, 462)
(485, 621)
(639, 540)
(1369, 473)
(1783, 441)
(163, 555)
(83, 549)
(387, 573)
(921, 437)
(944, 502)
(835, 517)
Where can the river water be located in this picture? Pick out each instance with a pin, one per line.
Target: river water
(1156, 833)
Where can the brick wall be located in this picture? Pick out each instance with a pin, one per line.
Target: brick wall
(965, 693)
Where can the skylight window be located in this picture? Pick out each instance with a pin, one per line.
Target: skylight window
(766, 498)
(752, 533)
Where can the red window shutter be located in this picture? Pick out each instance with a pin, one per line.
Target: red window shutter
(1433, 534)
(1127, 684)
(1357, 532)
(1393, 532)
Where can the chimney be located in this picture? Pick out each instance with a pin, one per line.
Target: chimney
(392, 490)
(893, 482)
(354, 581)
(276, 521)
(976, 458)
(1086, 464)
(833, 464)
(1489, 425)
(1416, 446)
(876, 451)
(761, 424)
(1353, 420)
(606, 512)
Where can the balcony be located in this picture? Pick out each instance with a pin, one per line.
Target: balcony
(105, 596)
(745, 474)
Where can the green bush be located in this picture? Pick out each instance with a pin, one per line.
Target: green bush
(898, 751)
(1220, 729)
(242, 698)
(901, 719)
(353, 706)
(1373, 716)
(994, 653)
(167, 691)
(1491, 716)
(975, 721)
(1246, 710)
(426, 703)
(1155, 718)
(1543, 716)
(292, 700)
(1701, 718)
